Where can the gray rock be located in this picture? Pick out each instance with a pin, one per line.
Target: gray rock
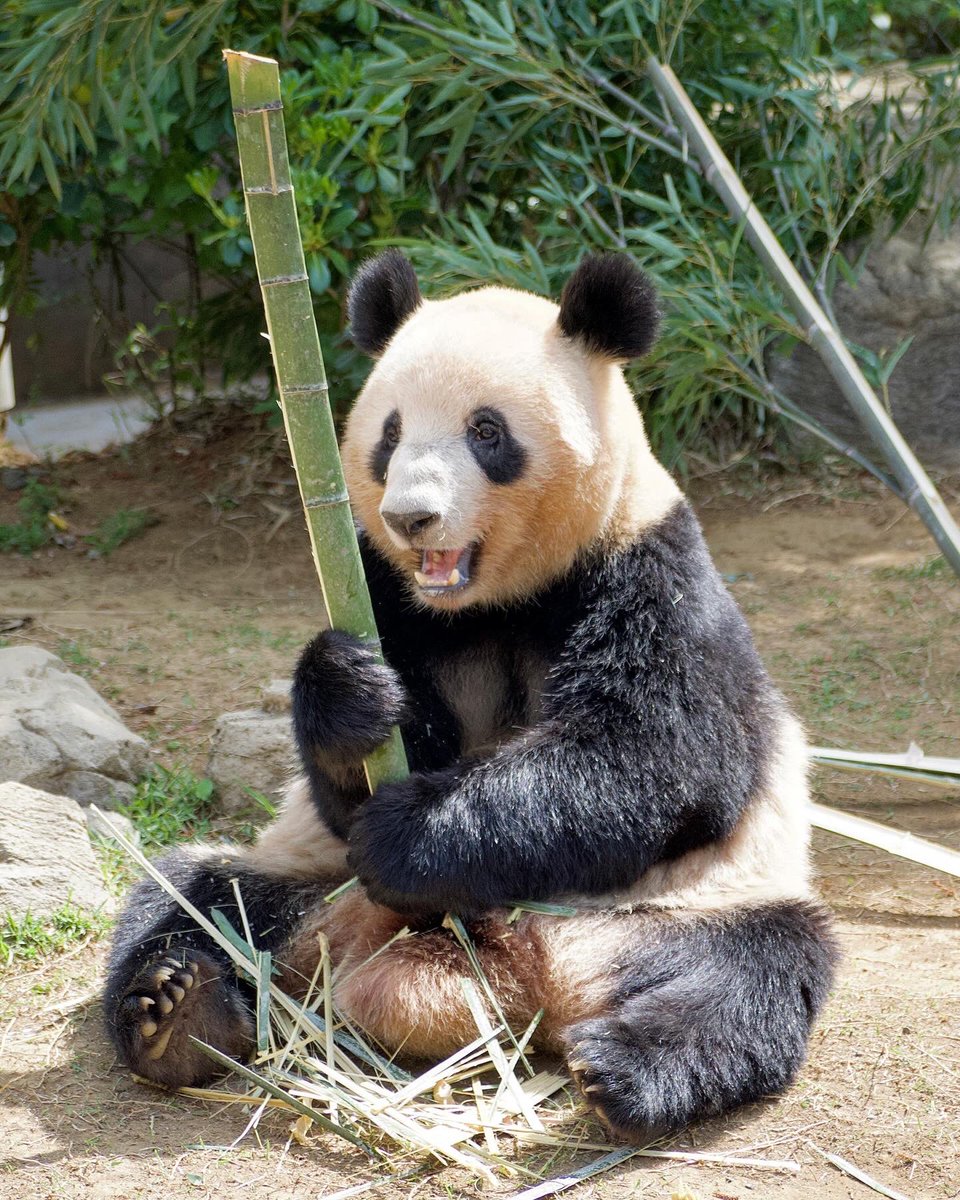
(56, 733)
(88, 787)
(251, 749)
(99, 829)
(905, 288)
(46, 858)
(275, 697)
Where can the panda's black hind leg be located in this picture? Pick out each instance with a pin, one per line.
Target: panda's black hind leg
(708, 1014)
(179, 995)
(169, 981)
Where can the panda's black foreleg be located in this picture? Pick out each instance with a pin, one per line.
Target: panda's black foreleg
(707, 1014)
(344, 705)
(168, 981)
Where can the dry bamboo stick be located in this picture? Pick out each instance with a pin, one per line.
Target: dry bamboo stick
(823, 336)
(912, 763)
(894, 841)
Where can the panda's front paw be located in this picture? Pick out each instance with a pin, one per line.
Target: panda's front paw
(345, 702)
(395, 853)
(383, 840)
(414, 851)
(180, 995)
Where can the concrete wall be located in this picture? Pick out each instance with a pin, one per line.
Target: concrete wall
(62, 349)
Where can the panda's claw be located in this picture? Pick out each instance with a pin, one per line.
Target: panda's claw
(170, 979)
(158, 1048)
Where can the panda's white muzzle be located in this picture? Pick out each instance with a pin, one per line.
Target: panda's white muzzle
(432, 496)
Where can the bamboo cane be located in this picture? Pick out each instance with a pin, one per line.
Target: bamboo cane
(824, 337)
(894, 841)
(914, 765)
(298, 363)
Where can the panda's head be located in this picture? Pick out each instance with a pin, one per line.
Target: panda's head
(495, 438)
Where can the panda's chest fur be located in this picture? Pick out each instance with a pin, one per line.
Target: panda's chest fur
(494, 690)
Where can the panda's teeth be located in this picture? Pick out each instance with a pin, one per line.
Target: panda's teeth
(431, 581)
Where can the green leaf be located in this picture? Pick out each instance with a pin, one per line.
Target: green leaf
(49, 169)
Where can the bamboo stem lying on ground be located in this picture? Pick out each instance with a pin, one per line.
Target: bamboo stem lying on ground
(298, 363)
(824, 337)
(894, 841)
(914, 764)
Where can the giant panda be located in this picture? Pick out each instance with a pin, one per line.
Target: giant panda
(586, 719)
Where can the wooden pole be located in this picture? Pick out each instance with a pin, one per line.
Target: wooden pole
(298, 363)
(824, 337)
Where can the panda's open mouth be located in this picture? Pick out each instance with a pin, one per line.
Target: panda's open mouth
(443, 572)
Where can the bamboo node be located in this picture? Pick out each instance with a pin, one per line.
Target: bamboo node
(269, 191)
(307, 389)
(278, 279)
(324, 501)
(253, 109)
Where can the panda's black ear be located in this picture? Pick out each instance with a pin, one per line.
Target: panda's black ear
(611, 306)
(383, 294)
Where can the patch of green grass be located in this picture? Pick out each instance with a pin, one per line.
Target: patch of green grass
(119, 527)
(170, 805)
(932, 568)
(29, 937)
(75, 654)
(245, 635)
(33, 531)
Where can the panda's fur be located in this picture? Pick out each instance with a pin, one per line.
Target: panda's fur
(586, 719)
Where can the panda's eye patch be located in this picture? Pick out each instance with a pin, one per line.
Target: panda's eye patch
(497, 452)
(382, 451)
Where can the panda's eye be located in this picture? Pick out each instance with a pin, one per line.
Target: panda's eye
(491, 442)
(391, 433)
(485, 430)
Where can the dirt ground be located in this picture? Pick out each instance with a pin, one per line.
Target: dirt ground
(192, 617)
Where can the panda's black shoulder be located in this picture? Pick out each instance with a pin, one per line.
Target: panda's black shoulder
(659, 605)
(666, 574)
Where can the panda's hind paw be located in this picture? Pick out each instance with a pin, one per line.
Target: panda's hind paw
(603, 1072)
(173, 998)
(160, 990)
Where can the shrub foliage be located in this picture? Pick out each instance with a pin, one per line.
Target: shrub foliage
(496, 140)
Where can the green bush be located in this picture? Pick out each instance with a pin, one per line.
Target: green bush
(27, 938)
(496, 140)
(33, 530)
(115, 126)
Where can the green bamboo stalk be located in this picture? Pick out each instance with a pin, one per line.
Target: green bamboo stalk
(298, 363)
(824, 337)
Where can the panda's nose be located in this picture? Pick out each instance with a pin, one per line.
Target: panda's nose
(410, 524)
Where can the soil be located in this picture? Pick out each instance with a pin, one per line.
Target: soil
(192, 617)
